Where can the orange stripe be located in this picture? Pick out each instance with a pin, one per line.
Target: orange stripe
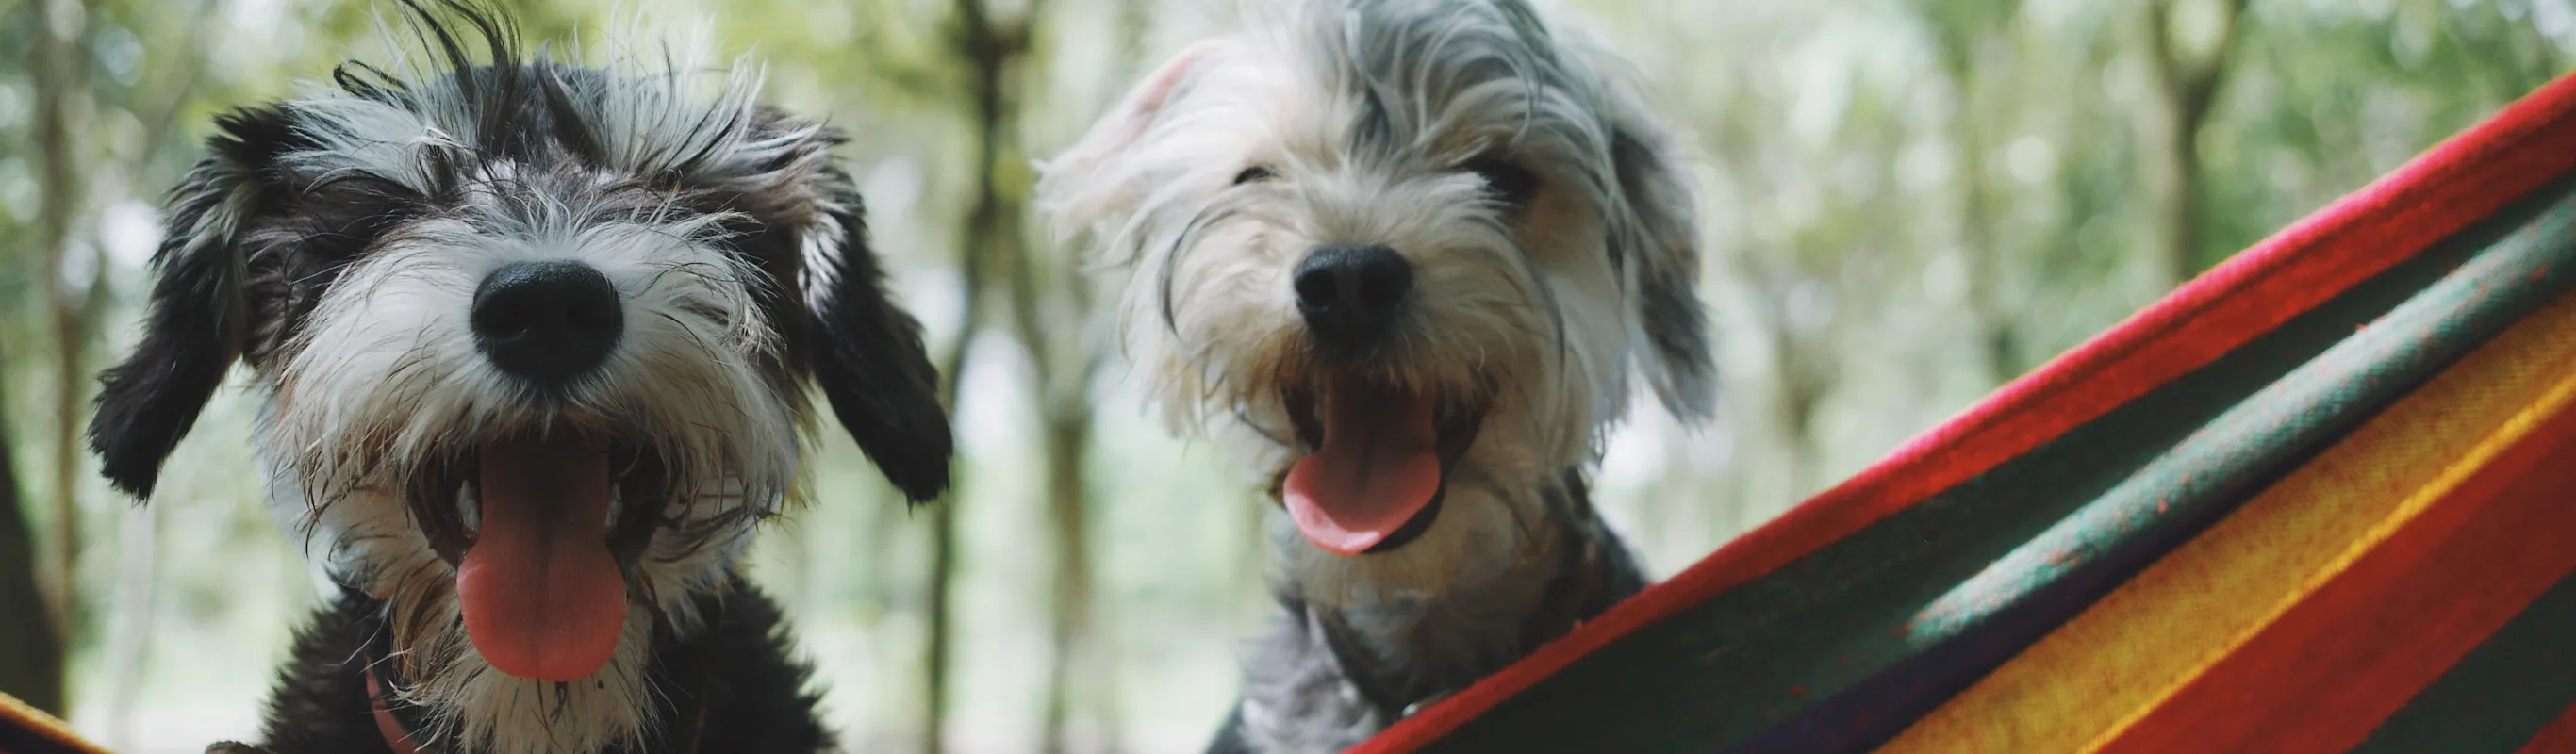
(41, 725)
(2558, 737)
(2324, 674)
(2191, 607)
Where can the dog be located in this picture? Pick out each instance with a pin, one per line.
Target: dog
(531, 342)
(1408, 255)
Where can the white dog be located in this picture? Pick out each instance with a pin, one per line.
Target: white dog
(1413, 250)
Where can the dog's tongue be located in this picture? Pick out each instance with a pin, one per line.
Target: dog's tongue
(1378, 466)
(541, 592)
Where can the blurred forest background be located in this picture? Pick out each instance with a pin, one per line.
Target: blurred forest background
(1906, 204)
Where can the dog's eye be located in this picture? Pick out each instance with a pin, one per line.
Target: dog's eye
(1512, 185)
(1254, 173)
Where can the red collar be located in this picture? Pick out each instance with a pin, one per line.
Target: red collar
(395, 737)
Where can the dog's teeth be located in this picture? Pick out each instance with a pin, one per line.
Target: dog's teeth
(468, 508)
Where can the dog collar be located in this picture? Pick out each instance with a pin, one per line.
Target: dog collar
(395, 737)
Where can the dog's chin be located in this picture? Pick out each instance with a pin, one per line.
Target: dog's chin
(1373, 459)
(544, 550)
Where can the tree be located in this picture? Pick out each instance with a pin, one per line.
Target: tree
(60, 106)
(990, 49)
(1053, 289)
(31, 651)
(2188, 82)
(1065, 367)
(1970, 37)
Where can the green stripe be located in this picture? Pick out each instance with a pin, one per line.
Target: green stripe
(2305, 411)
(1720, 672)
(2501, 694)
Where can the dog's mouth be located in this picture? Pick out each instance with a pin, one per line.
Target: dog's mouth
(1374, 460)
(542, 533)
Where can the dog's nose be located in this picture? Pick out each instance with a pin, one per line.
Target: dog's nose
(547, 322)
(1351, 294)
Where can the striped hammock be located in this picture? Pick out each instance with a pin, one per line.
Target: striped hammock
(2322, 499)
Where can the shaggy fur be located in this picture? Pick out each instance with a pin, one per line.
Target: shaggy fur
(1547, 221)
(334, 243)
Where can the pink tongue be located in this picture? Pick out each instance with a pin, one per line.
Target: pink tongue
(1378, 466)
(541, 593)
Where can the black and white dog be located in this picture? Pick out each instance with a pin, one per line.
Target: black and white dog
(532, 343)
(1411, 252)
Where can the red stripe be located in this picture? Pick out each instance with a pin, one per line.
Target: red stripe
(2338, 663)
(2465, 179)
(2558, 737)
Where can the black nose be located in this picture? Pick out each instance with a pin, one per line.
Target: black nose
(547, 322)
(1350, 295)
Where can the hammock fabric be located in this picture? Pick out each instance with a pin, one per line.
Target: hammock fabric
(27, 730)
(2321, 499)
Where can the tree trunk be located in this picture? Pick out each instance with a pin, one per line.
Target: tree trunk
(1065, 364)
(943, 524)
(943, 518)
(31, 650)
(992, 233)
(1982, 260)
(2189, 86)
(1963, 35)
(1066, 368)
(59, 96)
(1068, 432)
(1803, 388)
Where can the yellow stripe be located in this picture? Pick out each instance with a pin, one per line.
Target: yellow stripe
(14, 712)
(2550, 403)
(2111, 664)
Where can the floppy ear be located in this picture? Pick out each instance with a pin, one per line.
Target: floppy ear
(194, 327)
(868, 356)
(1662, 243)
(1087, 183)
